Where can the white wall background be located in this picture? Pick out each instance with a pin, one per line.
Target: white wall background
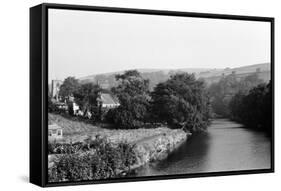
(14, 95)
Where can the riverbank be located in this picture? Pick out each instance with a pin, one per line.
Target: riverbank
(225, 146)
(148, 144)
(158, 147)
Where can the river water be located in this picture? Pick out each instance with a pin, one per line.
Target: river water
(226, 146)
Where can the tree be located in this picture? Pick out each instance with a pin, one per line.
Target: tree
(253, 108)
(223, 91)
(182, 102)
(69, 87)
(87, 98)
(236, 106)
(133, 95)
(249, 82)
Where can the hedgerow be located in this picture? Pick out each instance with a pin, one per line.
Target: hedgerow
(90, 160)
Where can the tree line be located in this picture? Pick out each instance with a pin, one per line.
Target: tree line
(182, 101)
(254, 108)
(248, 101)
(222, 91)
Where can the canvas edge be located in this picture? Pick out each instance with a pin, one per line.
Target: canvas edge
(35, 143)
(42, 48)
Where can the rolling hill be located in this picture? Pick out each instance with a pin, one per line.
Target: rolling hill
(107, 80)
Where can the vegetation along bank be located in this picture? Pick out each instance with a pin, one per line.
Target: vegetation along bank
(106, 153)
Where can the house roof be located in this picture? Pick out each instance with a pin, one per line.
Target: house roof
(106, 98)
(54, 126)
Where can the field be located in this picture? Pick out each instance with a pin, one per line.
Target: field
(75, 131)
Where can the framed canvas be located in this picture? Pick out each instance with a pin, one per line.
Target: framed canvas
(120, 94)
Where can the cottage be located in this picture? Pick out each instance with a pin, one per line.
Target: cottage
(54, 131)
(61, 105)
(108, 101)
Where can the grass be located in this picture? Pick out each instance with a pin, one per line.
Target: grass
(77, 131)
(70, 126)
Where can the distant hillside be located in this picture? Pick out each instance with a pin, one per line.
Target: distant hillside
(238, 70)
(107, 80)
(263, 71)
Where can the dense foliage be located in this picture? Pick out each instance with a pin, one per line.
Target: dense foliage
(86, 96)
(133, 95)
(70, 85)
(182, 102)
(222, 92)
(254, 108)
(92, 160)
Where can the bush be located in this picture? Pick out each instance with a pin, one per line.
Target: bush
(124, 118)
(91, 160)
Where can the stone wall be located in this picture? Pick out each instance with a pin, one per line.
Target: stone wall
(158, 147)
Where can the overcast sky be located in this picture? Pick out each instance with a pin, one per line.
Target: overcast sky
(82, 43)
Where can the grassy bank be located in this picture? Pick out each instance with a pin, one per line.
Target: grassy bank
(77, 131)
(138, 146)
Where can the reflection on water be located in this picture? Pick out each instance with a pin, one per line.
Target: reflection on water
(226, 146)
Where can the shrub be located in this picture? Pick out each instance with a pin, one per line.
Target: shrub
(90, 160)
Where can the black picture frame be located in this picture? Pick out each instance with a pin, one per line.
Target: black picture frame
(39, 84)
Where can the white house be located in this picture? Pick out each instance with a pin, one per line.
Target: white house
(108, 101)
(55, 131)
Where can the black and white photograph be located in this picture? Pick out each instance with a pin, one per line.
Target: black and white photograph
(144, 95)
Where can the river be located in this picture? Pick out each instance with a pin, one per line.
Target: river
(226, 146)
